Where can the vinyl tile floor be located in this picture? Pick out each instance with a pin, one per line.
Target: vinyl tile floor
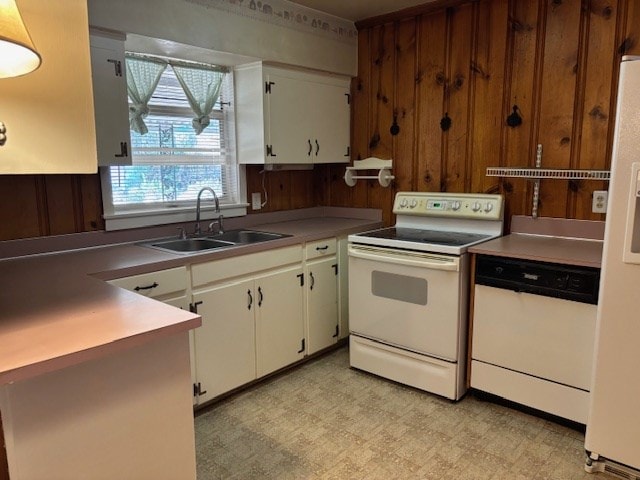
(324, 420)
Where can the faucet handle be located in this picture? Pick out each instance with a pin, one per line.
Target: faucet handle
(182, 233)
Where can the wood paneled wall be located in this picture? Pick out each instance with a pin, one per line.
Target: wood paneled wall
(473, 61)
(556, 60)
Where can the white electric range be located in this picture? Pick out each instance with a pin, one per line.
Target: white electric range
(409, 289)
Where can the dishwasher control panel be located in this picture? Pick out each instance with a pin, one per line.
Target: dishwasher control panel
(568, 282)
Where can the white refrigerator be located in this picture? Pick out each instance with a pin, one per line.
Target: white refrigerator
(613, 427)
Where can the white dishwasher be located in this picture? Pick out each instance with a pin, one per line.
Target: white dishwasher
(533, 333)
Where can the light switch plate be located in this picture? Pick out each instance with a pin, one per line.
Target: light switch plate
(599, 201)
(256, 201)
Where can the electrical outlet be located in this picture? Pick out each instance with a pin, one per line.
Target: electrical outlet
(256, 201)
(599, 201)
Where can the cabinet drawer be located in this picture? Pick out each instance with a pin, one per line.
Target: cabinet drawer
(320, 248)
(155, 284)
(209, 272)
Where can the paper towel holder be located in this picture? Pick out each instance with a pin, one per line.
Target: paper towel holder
(384, 175)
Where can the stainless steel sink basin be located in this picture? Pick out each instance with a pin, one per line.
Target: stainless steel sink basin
(190, 245)
(246, 236)
(202, 244)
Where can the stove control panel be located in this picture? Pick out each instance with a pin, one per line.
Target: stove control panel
(452, 205)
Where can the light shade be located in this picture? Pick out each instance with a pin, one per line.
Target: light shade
(18, 55)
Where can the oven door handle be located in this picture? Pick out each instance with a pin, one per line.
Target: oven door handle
(433, 262)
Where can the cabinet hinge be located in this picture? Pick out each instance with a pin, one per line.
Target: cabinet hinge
(335, 268)
(124, 150)
(348, 95)
(270, 152)
(117, 66)
(301, 277)
(193, 307)
(197, 390)
(337, 331)
(267, 86)
(302, 348)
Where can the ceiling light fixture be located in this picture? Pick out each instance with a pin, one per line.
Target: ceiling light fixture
(18, 55)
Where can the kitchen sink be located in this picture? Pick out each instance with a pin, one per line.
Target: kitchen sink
(221, 240)
(246, 236)
(190, 245)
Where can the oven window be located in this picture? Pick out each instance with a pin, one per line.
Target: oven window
(399, 287)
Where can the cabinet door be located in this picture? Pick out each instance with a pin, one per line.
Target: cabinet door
(322, 303)
(330, 116)
(110, 101)
(288, 120)
(279, 320)
(225, 343)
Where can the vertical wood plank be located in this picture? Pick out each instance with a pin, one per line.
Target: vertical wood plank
(558, 90)
(631, 42)
(382, 96)
(596, 117)
(361, 113)
(518, 148)
(302, 194)
(61, 208)
(91, 202)
(431, 78)
(457, 97)
(488, 77)
(279, 190)
(404, 110)
(19, 217)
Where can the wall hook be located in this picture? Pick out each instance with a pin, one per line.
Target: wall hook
(514, 120)
(445, 123)
(395, 128)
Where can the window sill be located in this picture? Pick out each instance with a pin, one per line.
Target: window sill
(145, 218)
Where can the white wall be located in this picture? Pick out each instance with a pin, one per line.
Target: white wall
(213, 28)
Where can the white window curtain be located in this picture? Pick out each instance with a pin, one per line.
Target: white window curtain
(202, 87)
(143, 76)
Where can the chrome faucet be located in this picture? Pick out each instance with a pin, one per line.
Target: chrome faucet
(198, 230)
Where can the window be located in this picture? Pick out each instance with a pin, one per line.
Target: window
(171, 162)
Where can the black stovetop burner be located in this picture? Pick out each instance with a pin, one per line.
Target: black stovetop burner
(435, 237)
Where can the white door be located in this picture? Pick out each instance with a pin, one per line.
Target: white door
(322, 304)
(288, 122)
(225, 343)
(279, 320)
(331, 119)
(410, 301)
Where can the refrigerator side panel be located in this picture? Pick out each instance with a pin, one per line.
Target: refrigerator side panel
(613, 427)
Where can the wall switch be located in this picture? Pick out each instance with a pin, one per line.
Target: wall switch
(256, 201)
(599, 201)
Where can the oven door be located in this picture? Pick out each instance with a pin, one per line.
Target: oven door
(412, 300)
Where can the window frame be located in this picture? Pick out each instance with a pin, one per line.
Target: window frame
(143, 215)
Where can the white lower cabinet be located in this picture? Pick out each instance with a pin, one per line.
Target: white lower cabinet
(252, 309)
(224, 345)
(321, 273)
(279, 320)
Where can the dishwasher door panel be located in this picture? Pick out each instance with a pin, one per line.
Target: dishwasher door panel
(545, 337)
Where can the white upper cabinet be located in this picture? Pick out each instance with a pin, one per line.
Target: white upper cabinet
(110, 100)
(291, 117)
(48, 114)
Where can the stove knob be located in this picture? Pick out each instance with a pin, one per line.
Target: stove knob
(414, 203)
(488, 207)
(476, 206)
(404, 203)
(456, 205)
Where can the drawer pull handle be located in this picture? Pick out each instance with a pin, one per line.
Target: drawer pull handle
(326, 247)
(148, 287)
